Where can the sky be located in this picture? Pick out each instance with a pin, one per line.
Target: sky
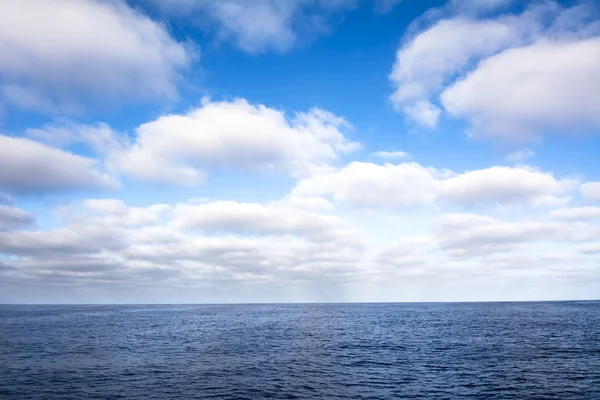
(299, 151)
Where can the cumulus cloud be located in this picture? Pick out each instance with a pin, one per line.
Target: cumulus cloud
(317, 204)
(255, 218)
(226, 247)
(219, 244)
(74, 240)
(232, 135)
(115, 212)
(28, 167)
(408, 184)
(506, 75)
(112, 52)
(366, 184)
(592, 248)
(63, 133)
(519, 93)
(426, 61)
(181, 148)
(590, 191)
(410, 256)
(576, 213)
(13, 217)
(507, 186)
(471, 235)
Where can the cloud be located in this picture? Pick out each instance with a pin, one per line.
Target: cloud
(371, 185)
(224, 245)
(260, 26)
(106, 206)
(518, 94)
(112, 52)
(79, 239)
(116, 212)
(12, 217)
(520, 155)
(316, 204)
(576, 213)
(383, 6)
(63, 133)
(590, 191)
(233, 135)
(386, 155)
(472, 235)
(255, 218)
(424, 113)
(480, 6)
(592, 248)
(425, 62)
(28, 168)
(227, 248)
(505, 75)
(507, 186)
(410, 256)
(263, 25)
(409, 184)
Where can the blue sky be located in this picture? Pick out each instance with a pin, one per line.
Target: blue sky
(300, 150)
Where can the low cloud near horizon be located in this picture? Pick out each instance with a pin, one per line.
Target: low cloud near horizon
(172, 196)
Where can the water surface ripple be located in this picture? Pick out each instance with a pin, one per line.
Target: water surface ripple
(547, 350)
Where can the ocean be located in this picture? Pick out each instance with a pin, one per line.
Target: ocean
(545, 350)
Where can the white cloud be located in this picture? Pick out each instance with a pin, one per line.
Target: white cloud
(79, 239)
(28, 167)
(233, 135)
(471, 235)
(106, 206)
(227, 249)
(116, 212)
(425, 62)
(317, 204)
(242, 244)
(576, 213)
(390, 154)
(408, 184)
(100, 137)
(366, 185)
(507, 186)
(520, 93)
(592, 248)
(590, 191)
(423, 113)
(255, 218)
(512, 77)
(111, 52)
(12, 217)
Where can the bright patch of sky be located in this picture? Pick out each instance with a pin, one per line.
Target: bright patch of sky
(299, 150)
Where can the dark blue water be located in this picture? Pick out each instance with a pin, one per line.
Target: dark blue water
(344, 351)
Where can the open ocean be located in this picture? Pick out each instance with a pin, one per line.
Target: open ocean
(546, 350)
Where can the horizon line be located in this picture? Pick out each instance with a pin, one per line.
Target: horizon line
(302, 303)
